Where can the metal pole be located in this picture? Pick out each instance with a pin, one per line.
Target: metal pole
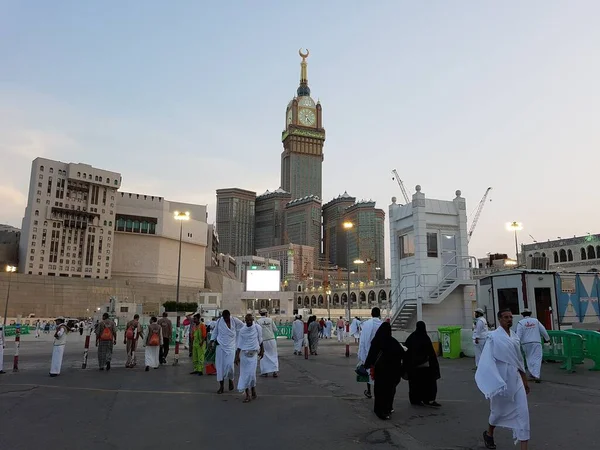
(7, 297)
(17, 344)
(178, 322)
(516, 247)
(86, 348)
(348, 298)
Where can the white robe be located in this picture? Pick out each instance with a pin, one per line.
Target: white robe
(328, 328)
(530, 332)
(298, 334)
(249, 340)
(534, 355)
(151, 354)
(58, 350)
(225, 354)
(480, 333)
(355, 328)
(498, 378)
(369, 329)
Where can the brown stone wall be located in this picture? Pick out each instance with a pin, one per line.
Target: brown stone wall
(61, 296)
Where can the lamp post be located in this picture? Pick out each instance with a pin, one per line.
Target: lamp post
(515, 226)
(181, 217)
(10, 270)
(348, 226)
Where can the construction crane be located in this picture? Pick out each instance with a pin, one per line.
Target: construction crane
(478, 213)
(401, 184)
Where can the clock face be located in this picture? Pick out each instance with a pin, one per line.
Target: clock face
(307, 101)
(307, 117)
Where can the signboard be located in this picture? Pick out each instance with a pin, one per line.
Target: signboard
(263, 280)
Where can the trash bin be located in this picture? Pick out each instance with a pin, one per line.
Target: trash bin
(450, 339)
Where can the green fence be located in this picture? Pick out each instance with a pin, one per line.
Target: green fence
(11, 330)
(284, 330)
(565, 347)
(591, 346)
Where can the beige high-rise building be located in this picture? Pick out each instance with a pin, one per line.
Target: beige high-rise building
(269, 218)
(147, 240)
(69, 219)
(303, 222)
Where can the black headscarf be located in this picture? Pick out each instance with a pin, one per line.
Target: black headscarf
(420, 349)
(386, 355)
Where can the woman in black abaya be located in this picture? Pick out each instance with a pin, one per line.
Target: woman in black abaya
(422, 367)
(385, 358)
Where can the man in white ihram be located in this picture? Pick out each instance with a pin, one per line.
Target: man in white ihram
(298, 335)
(369, 329)
(270, 361)
(249, 351)
(225, 338)
(479, 334)
(530, 332)
(501, 378)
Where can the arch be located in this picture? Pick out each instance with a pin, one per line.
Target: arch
(306, 301)
(372, 297)
(313, 301)
(352, 297)
(562, 255)
(569, 255)
(382, 296)
(299, 300)
(336, 299)
(591, 252)
(362, 297)
(597, 251)
(321, 300)
(344, 298)
(37, 213)
(543, 255)
(555, 257)
(583, 255)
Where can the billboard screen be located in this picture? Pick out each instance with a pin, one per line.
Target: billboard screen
(261, 280)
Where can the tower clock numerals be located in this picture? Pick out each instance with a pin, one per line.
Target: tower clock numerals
(307, 117)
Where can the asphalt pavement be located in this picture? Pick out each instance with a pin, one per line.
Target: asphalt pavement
(314, 403)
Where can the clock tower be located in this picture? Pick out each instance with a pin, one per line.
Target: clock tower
(303, 139)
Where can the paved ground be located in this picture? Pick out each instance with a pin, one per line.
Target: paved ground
(314, 403)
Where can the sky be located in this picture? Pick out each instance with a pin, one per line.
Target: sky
(183, 98)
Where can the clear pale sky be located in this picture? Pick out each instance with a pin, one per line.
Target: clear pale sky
(186, 97)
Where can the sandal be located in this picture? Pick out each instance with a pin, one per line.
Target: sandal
(368, 394)
(488, 441)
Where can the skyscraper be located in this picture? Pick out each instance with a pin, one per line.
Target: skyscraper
(303, 139)
(333, 212)
(270, 218)
(235, 221)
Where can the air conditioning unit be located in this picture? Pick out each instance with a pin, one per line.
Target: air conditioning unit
(538, 263)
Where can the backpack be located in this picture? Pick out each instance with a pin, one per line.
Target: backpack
(154, 339)
(130, 333)
(107, 334)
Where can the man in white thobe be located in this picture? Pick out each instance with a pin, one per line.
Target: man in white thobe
(58, 349)
(480, 333)
(2, 344)
(501, 378)
(298, 335)
(224, 337)
(270, 361)
(530, 332)
(369, 329)
(249, 350)
(355, 329)
(328, 328)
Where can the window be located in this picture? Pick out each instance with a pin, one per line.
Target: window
(41, 168)
(41, 177)
(79, 174)
(591, 253)
(583, 255)
(569, 255)
(108, 180)
(432, 245)
(51, 170)
(562, 255)
(508, 298)
(124, 309)
(407, 246)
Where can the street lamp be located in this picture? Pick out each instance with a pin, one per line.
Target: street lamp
(10, 270)
(348, 226)
(515, 226)
(181, 217)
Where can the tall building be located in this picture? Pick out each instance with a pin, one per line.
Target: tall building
(269, 218)
(235, 221)
(365, 240)
(297, 262)
(69, 220)
(333, 212)
(9, 246)
(303, 139)
(303, 222)
(146, 240)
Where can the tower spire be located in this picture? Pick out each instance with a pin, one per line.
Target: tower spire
(303, 89)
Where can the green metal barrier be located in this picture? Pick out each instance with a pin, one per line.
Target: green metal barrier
(591, 346)
(284, 330)
(11, 330)
(566, 347)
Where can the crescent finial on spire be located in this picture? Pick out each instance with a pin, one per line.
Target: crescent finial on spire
(304, 55)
